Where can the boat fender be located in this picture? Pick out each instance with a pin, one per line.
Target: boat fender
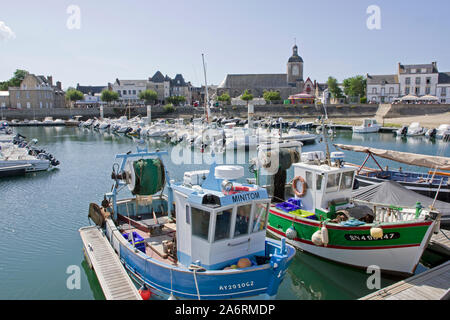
(304, 186)
(317, 238)
(291, 234)
(145, 292)
(325, 238)
(244, 263)
(376, 232)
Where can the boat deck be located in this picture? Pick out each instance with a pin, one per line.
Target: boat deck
(112, 276)
(433, 284)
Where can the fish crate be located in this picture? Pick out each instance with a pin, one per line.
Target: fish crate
(139, 242)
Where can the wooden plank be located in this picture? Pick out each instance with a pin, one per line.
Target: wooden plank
(430, 285)
(112, 276)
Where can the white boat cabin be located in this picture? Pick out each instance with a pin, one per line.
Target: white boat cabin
(328, 188)
(219, 220)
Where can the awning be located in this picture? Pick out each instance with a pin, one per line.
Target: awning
(421, 160)
(429, 98)
(409, 98)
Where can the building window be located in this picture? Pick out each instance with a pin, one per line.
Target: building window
(18, 94)
(19, 106)
(428, 80)
(407, 90)
(443, 92)
(124, 92)
(28, 105)
(427, 90)
(442, 100)
(391, 90)
(374, 90)
(418, 80)
(40, 104)
(408, 81)
(417, 91)
(27, 94)
(413, 70)
(134, 91)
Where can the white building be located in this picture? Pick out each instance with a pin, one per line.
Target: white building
(415, 79)
(443, 87)
(129, 90)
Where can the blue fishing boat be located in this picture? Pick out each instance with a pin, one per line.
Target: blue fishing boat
(204, 238)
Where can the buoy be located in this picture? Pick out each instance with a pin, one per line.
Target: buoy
(325, 238)
(244, 263)
(317, 238)
(291, 234)
(376, 232)
(172, 297)
(145, 292)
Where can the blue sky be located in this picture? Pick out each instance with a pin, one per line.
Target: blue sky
(133, 39)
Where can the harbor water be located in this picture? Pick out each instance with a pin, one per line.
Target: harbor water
(41, 213)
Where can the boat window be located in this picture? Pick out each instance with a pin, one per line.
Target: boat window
(242, 220)
(188, 217)
(347, 180)
(260, 218)
(319, 182)
(333, 182)
(308, 176)
(200, 223)
(223, 224)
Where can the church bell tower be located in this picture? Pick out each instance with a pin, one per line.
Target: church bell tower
(295, 69)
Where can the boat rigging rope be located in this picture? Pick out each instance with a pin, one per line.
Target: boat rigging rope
(196, 268)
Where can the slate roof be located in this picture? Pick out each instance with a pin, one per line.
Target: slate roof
(255, 81)
(406, 68)
(444, 77)
(295, 57)
(382, 79)
(158, 77)
(179, 78)
(90, 89)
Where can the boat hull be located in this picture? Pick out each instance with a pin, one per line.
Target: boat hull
(398, 252)
(259, 282)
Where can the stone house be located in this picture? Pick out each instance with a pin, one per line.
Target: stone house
(37, 92)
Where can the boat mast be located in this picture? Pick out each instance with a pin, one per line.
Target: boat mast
(206, 90)
(324, 134)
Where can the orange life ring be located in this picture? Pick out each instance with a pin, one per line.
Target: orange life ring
(304, 186)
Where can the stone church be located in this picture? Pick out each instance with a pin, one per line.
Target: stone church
(286, 84)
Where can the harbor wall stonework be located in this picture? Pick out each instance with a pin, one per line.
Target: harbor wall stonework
(274, 111)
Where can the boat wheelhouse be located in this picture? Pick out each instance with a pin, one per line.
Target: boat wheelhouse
(213, 246)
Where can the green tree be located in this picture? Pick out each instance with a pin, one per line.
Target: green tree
(355, 86)
(149, 96)
(109, 96)
(225, 97)
(333, 87)
(168, 108)
(246, 96)
(176, 100)
(15, 81)
(74, 95)
(272, 96)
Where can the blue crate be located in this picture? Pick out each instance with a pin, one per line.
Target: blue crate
(139, 242)
(287, 207)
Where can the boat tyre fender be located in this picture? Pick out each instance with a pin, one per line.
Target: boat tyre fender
(304, 186)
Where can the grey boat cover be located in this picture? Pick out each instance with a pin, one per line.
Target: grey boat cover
(393, 193)
(421, 160)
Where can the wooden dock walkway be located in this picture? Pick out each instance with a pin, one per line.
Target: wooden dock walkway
(440, 243)
(433, 284)
(113, 278)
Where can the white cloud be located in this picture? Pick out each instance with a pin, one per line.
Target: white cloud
(6, 32)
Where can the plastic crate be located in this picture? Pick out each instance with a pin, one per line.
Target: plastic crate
(287, 207)
(139, 242)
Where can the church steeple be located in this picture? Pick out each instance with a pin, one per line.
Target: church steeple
(295, 69)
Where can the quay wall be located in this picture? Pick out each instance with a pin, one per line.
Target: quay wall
(274, 111)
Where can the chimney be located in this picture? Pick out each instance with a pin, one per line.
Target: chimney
(434, 63)
(59, 85)
(50, 80)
